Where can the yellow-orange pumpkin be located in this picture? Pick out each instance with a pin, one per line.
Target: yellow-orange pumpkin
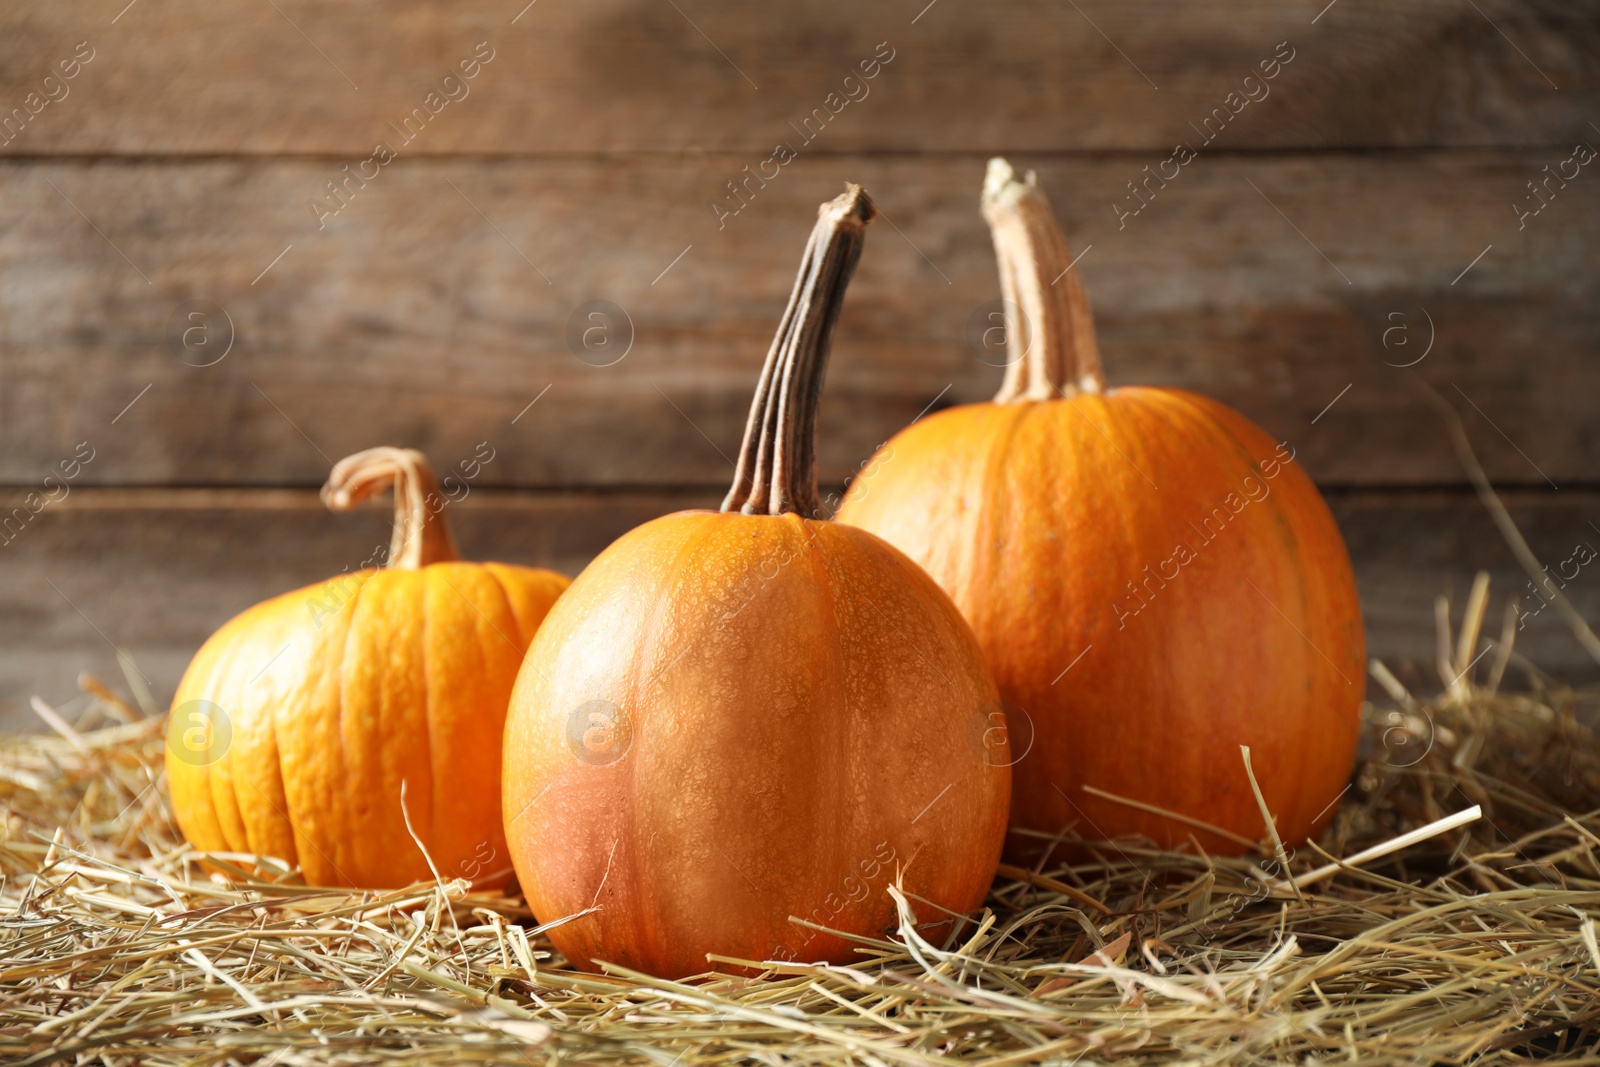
(1154, 580)
(734, 718)
(298, 723)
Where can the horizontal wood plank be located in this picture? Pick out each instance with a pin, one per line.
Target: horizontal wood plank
(445, 297)
(155, 571)
(608, 76)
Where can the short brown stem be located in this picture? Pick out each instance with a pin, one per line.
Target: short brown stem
(777, 470)
(1051, 352)
(420, 534)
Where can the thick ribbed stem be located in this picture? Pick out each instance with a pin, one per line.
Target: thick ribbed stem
(1051, 351)
(777, 469)
(420, 535)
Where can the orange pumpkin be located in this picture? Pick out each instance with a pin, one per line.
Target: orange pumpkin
(1154, 580)
(734, 718)
(313, 726)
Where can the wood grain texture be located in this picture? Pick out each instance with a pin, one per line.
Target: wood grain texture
(436, 306)
(195, 77)
(156, 571)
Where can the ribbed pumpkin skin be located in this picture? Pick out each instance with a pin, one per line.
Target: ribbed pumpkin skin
(405, 679)
(1035, 516)
(802, 711)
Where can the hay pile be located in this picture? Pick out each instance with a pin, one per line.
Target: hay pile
(1476, 943)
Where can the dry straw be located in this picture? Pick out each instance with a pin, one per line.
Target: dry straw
(1430, 942)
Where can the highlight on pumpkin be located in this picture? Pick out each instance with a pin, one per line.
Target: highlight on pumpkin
(353, 727)
(1154, 580)
(692, 765)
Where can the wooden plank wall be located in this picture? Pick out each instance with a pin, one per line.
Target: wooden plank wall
(1366, 208)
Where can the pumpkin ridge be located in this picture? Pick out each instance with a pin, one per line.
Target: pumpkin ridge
(511, 611)
(822, 586)
(320, 655)
(520, 651)
(651, 628)
(1171, 422)
(227, 681)
(1223, 435)
(298, 752)
(293, 859)
(193, 780)
(1184, 426)
(236, 699)
(991, 510)
(215, 781)
(638, 860)
(337, 810)
(1281, 507)
(430, 836)
(448, 707)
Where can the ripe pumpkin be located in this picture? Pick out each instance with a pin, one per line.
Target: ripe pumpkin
(300, 722)
(736, 717)
(1154, 580)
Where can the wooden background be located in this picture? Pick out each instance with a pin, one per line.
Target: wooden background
(1359, 216)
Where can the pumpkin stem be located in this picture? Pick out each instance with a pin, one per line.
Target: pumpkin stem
(1052, 349)
(777, 469)
(420, 535)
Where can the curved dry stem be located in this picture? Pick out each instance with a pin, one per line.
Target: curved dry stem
(777, 470)
(420, 534)
(1052, 351)
(1535, 570)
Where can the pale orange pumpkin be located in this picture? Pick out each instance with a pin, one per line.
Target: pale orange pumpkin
(734, 718)
(302, 722)
(1155, 581)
